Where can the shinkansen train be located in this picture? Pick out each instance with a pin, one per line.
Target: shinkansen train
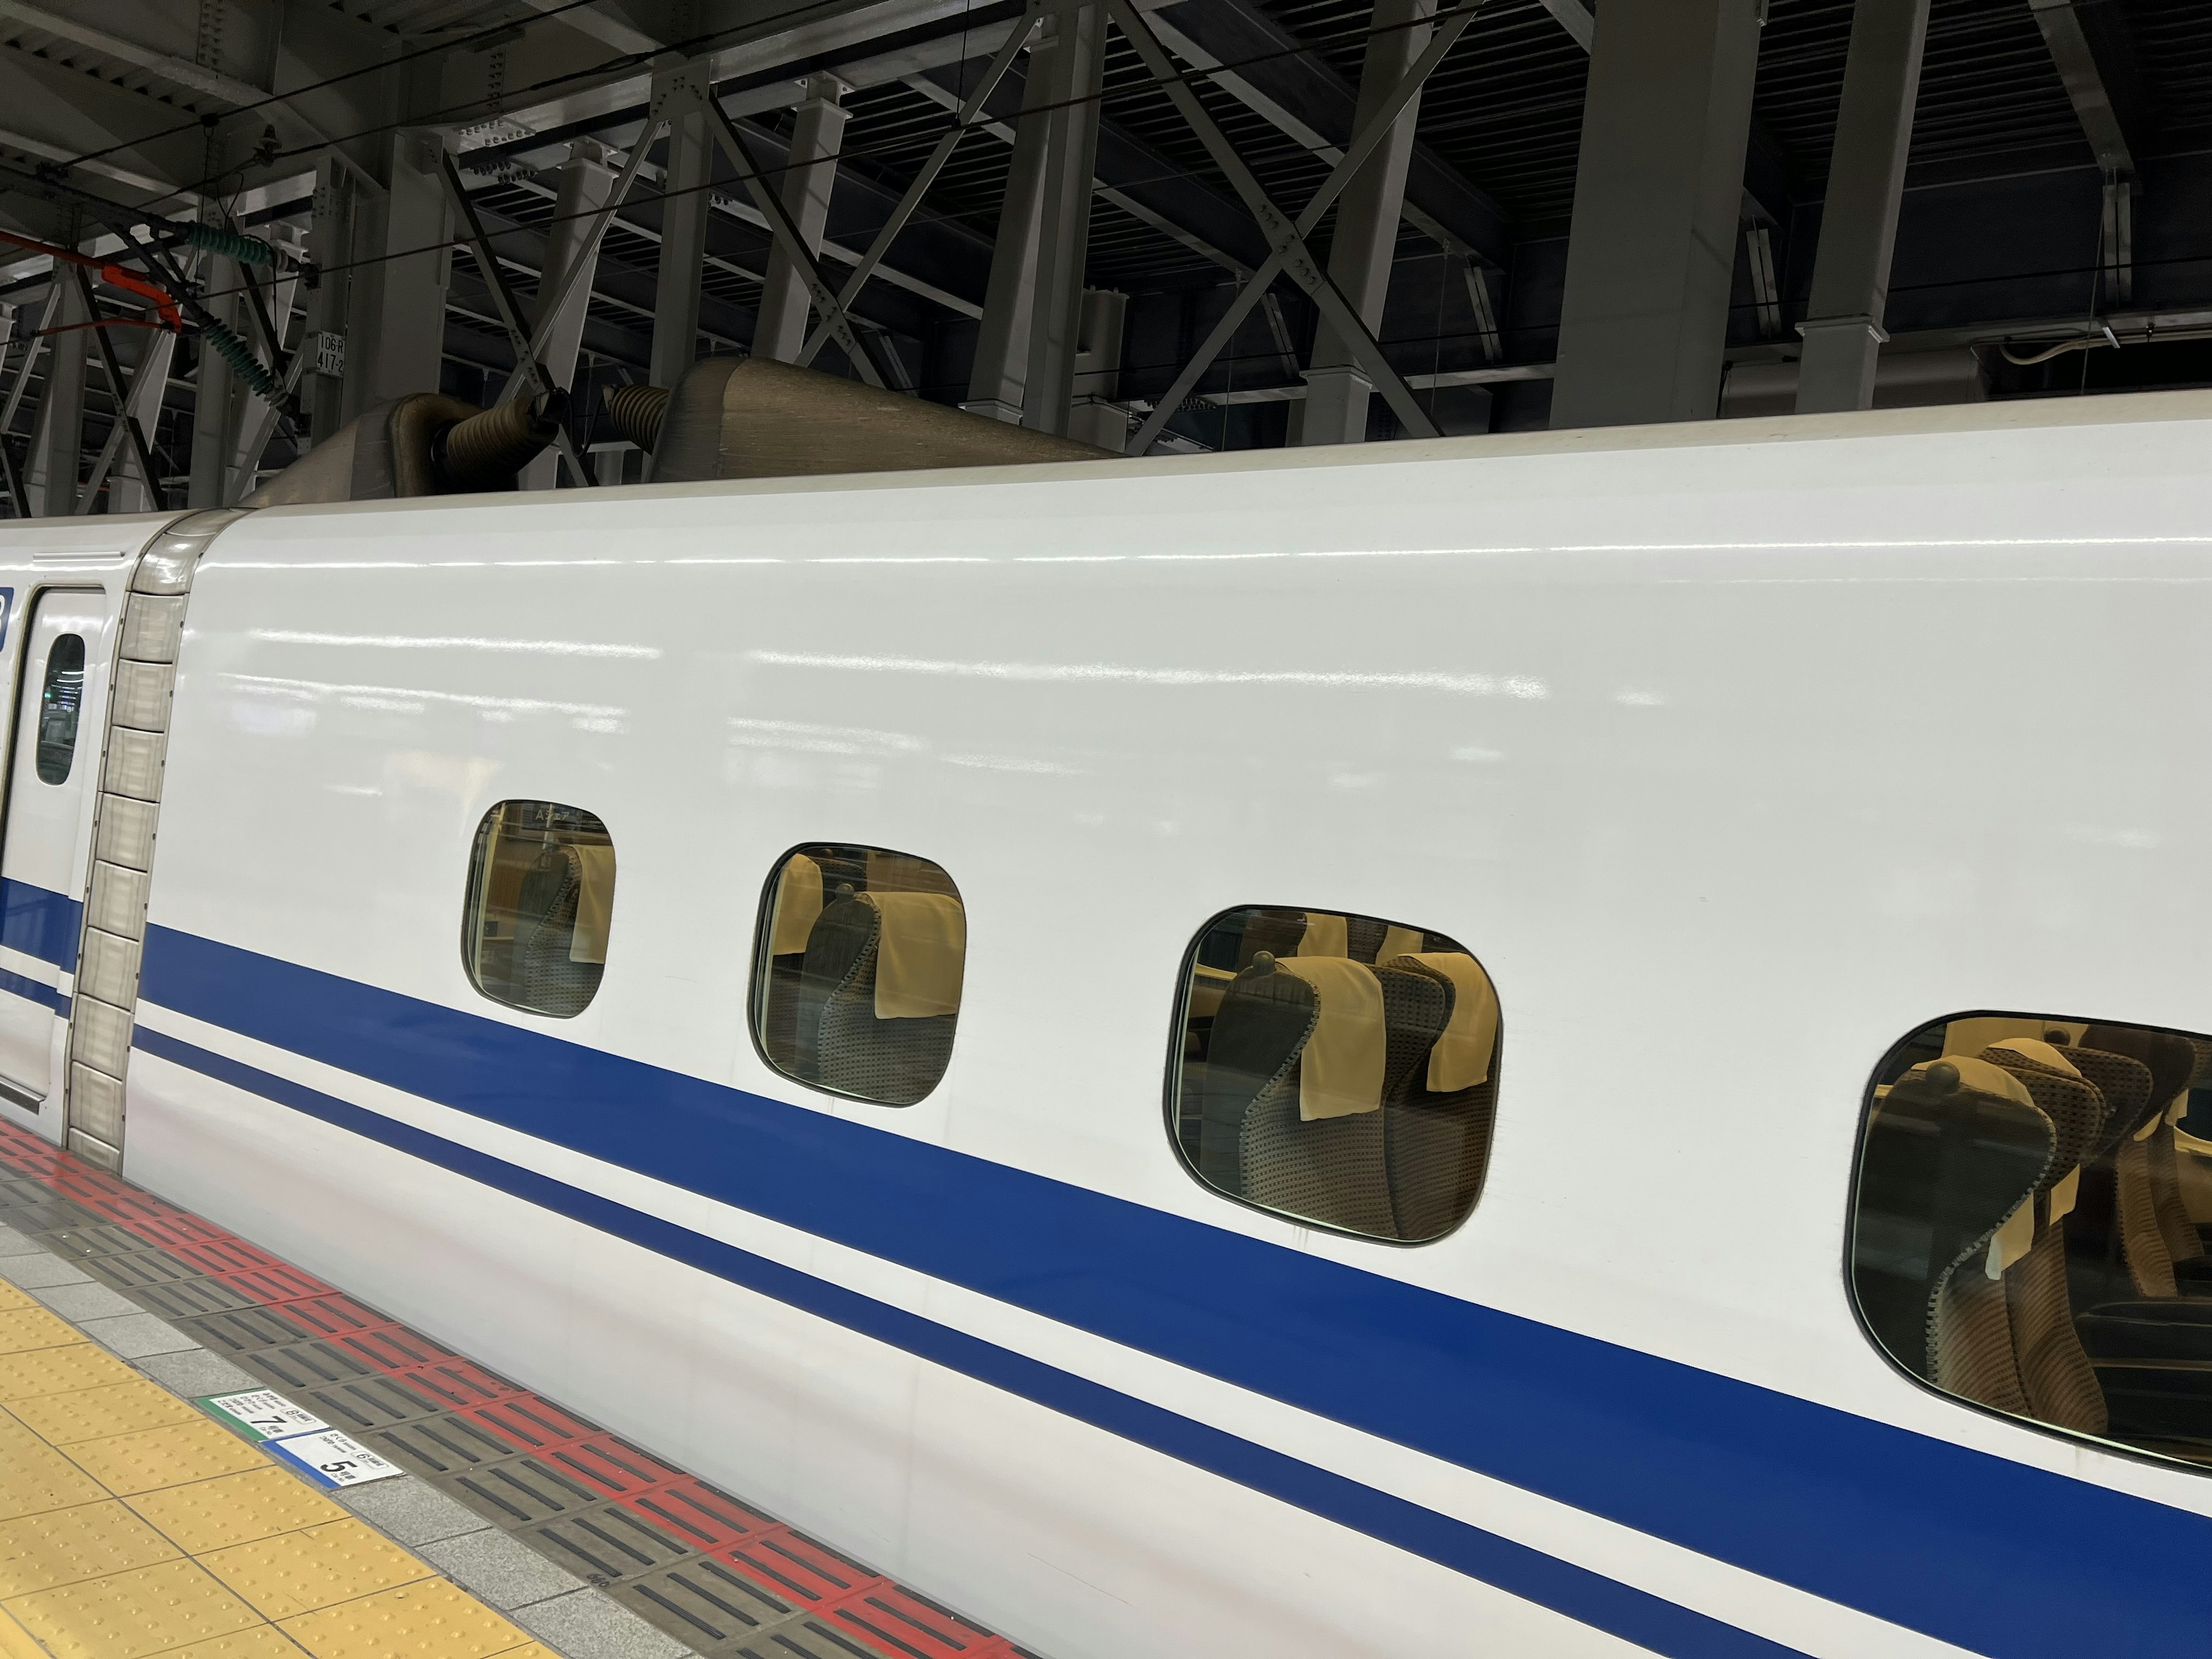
(1555, 1043)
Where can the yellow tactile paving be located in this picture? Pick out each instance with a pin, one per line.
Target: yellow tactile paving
(65, 1547)
(97, 1413)
(127, 1464)
(127, 1615)
(432, 1620)
(298, 1572)
(211, 1543)
(58, 1371)
(35, 1478)
(35, 1327)
(262, 1641)
(213, 1515)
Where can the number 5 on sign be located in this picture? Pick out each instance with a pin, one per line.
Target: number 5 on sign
(334, 1458)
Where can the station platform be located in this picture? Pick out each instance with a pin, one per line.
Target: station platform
(206, 1453)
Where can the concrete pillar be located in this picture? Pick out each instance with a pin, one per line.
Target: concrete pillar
(330, 244)
(1000, 375)
(1074, 75)
(679, 94)
(808, 180)
(128, 489)
(398, 341)
(1658, 187)
(1364, 244)
(58, 442)
(216, 391)
(586, 182)
(1843, 325)
(1096, 418)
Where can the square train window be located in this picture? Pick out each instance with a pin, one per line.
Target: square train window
(541, 894)
(1340, 1070)
(857, 972)
(2028, 1226)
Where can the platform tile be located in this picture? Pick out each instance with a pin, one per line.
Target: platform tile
(501, 1568)
(58, 1371)
(431, 1619)
(136, 1335)
(12, 1297)
(88, 1301)
(195, 1373)
(40, 1269)
(35, 1478)
(296, 1572)
(96, 1413)
(262, 1641)
(412, 1510)
(237, 1508)
(588, 1624)
(66, 1547)
(126, 1615)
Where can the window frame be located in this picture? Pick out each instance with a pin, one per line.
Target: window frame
(47, 675)
(758, 965)
(2059, 1433)
(472, 919)
(1171, 1093)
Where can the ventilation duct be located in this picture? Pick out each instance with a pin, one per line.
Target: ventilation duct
(426, 443)
(752, 417)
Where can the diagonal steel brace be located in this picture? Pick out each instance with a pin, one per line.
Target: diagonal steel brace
(881, 247)
(1286, 237)
(860, 348)
(502, 300)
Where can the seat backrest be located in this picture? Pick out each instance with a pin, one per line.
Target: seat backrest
(1952, 1151)
(842, 1041)
(553, 980)
(1439, 1104)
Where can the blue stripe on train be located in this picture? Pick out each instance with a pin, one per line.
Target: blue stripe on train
(1973, 1549)
(22, 985)
(1648, 1620)
(40, 923)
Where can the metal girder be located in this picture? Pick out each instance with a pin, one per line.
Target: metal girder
(1001, 62)
(1131, 174)
(2096, 59)
(1292, 87)
(58, 113)
(510, 315)
(1290, 256)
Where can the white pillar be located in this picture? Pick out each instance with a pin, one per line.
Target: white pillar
(1365, 245)
(1843, 325)
(215, 390)
(1074, 75)
(586, 182)
(678, 95)
(396, 346)
(58, 441)
(330, 244)
(810, 176)
(1096, 418)
(1000, 371)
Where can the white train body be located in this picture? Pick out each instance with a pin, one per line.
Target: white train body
(1734, 753)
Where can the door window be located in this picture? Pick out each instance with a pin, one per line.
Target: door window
(61, 700)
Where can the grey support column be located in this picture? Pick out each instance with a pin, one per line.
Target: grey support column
(1098, 418)
(59, 443)
(677, 98)
(586, 182)
(1658, 187)
(330, 244)
(812, 175)
(1842, 327)
(215, 392)
(397, 347)
(1364, 244)
(1074, 76)
(1000, 375)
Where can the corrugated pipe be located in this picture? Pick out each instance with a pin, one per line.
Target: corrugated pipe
(230, 245)
(243, 363)
(485, 451)
(635, 413)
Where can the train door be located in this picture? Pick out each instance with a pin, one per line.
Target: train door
(50, 791)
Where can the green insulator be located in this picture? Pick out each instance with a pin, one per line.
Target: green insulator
(243, 363)
(230, 245)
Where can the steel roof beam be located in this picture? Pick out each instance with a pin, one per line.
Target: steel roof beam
(2095, 58)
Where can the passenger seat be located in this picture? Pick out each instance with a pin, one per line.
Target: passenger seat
(880, 985)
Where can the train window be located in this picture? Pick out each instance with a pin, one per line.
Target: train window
(857, 972)
(60, 703)
(2029, 1225)
(1340, 1070)
(541, 894)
